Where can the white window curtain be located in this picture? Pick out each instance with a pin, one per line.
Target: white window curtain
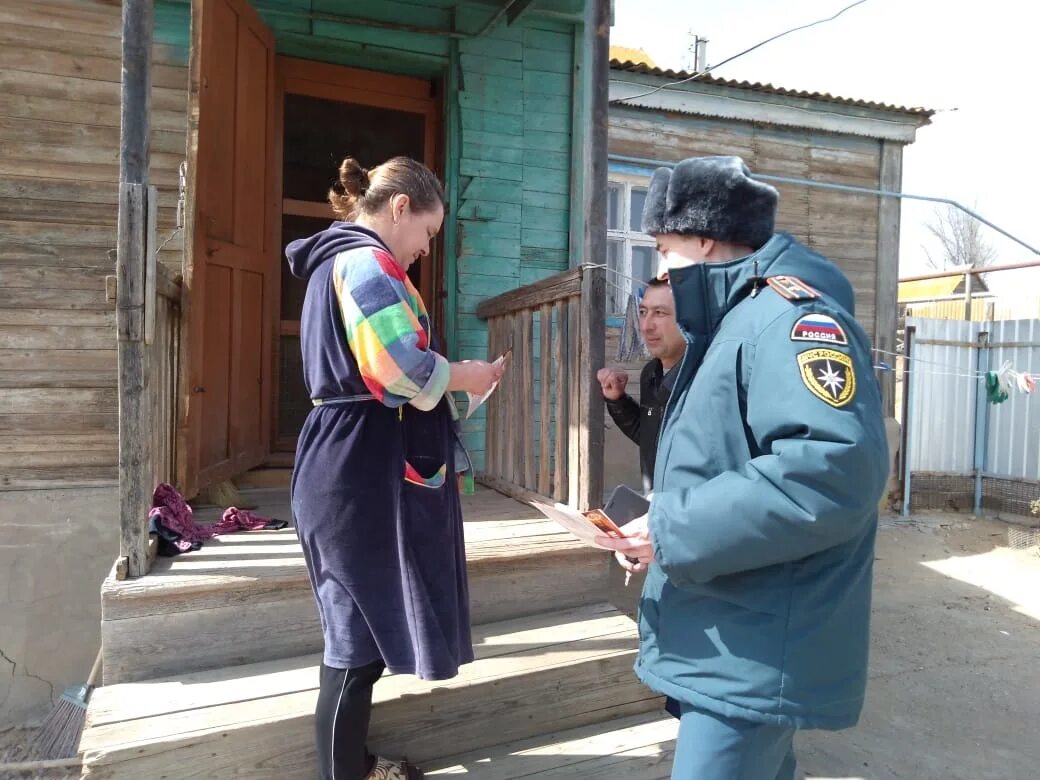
(631, 256)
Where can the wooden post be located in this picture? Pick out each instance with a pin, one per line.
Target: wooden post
(561, 343)
(135, 407)
(967, 295)
(593, 285)
(545, 399)
(887, 284)
(135, 91)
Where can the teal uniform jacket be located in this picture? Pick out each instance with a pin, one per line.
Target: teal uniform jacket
(770, 465)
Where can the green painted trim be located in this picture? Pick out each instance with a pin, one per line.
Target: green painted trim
(579, 114)
(453, 139)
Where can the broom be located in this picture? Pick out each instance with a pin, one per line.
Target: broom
(59, 734)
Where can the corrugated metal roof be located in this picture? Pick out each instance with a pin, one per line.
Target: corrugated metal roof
(678, 75)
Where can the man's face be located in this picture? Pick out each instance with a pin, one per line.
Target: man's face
(678, 251)
(657, 324)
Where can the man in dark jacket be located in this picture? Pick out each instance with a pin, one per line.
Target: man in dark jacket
(641, 422)
(759, 543)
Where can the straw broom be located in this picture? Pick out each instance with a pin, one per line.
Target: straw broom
(59, 735)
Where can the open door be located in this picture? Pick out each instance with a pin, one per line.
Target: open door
(228, 276)
(325, 113)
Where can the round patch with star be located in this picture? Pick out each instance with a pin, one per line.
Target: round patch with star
(829, 375)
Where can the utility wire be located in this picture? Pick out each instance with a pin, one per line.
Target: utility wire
(706, 71)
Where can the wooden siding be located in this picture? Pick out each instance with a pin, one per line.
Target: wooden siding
(59, 167)
(513, 208)
(511, 105)
(843, 226)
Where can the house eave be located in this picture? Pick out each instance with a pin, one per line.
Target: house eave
(713, 100)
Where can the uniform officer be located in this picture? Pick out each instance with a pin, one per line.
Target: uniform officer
(759, 542)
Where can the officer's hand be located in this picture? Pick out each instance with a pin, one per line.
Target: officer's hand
(613, 383)
(634, 551)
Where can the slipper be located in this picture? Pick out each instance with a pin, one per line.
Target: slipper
(385, 769)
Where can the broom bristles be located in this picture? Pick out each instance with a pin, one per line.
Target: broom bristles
(59, 734)
(226, 494)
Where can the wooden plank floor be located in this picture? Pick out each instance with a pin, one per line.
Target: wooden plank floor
(498, 528)
(639, 747)
(219, 722)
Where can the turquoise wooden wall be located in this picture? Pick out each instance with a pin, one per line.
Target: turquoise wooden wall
(510, 99)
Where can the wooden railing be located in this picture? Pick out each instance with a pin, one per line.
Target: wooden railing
(148, 313)
(545, 422)
(164, 373)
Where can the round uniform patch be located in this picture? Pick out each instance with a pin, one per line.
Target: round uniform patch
(829, 375)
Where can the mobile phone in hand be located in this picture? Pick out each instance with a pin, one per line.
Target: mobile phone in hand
(625, 505)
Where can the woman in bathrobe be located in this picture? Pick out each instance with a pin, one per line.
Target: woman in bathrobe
(374, 492)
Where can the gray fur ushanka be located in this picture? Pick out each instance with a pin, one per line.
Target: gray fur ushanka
(713, 197)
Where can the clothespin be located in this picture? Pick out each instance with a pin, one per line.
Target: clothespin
(883, 366)
(1026, 383)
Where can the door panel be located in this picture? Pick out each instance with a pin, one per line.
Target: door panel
(248, 363)
(217, 318)
(252, 147)
(229, 275)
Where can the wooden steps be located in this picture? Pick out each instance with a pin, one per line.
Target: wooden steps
(245, 598)
(546, 673)
(638, 747)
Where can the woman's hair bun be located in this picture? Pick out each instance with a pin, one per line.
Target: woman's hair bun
(353, 178)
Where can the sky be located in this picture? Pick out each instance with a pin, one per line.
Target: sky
(977, 58)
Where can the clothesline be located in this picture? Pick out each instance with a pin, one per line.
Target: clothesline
(973, 374)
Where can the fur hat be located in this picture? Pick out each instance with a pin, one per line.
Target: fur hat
(713, 197)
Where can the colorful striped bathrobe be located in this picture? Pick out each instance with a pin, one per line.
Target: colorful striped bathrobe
(378, 517)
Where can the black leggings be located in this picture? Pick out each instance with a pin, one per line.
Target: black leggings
(341, 721)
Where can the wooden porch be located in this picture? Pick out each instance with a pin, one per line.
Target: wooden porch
(211, 664)
(245, 597)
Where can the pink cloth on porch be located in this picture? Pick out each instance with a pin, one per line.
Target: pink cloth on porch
(170, 508)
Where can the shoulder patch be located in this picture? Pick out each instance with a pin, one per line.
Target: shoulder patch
(829, 375)
(819, 327)
(792, 288)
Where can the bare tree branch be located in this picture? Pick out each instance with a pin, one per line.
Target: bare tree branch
(960, 240)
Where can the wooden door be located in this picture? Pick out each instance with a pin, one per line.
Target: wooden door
(327, 112)
(228, 275)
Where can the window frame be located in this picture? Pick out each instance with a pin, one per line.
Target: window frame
(626, 237)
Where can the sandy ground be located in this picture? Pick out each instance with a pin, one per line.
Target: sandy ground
(954, 688)
(14, 748)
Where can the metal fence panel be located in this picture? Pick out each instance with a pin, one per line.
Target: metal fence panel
(942, 420)
(1013, 446)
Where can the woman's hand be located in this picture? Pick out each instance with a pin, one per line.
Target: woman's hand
(474, 376)
(634, 551)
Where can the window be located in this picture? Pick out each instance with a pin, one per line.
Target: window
(631, 254)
